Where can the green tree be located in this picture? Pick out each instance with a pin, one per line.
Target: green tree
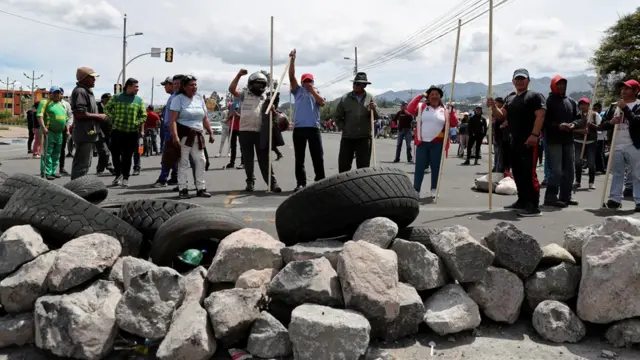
(618, 55)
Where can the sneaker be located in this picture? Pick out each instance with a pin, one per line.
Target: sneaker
(240, 167)
(613, 205)
(57, 176)
(111, 169)
(592, 186)
(50, 177)
(117, 181)
(217, 155)
(515, 206)
(229, 166)
(530, 211)
(203, 193)
(570, 202)
(556, 204)
(125, 183)
(576, 186)
(160, 184)
(136, 172)
(36, 156)
(64, 172)
(249, 188)
(298, 188)
(466, 163)
(276, 189)
(396, 161)
(184, 194)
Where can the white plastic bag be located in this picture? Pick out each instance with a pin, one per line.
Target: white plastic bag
(507, 186)
(482, 183)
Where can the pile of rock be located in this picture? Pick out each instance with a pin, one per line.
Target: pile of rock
(320, 300)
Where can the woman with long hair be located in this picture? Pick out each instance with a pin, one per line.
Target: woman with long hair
(189, 119)
(429, 136)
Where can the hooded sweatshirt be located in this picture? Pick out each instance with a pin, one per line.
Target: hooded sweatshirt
(561, 109)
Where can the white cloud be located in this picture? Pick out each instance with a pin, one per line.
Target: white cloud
(214, 40)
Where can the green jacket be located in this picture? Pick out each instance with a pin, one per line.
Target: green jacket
(353, 117)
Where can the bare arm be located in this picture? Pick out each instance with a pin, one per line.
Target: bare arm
(319, 99)
(537, 126)
(233, 87)
(173, 126)
(499, 113)
(293, 82)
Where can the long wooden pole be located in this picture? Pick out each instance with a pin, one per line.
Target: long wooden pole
(447, 124)
(593, 101)
(372, 158)
(269, 108)
(610, 161)
(490, 114)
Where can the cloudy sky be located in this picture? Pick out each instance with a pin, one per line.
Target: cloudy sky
(399, 42)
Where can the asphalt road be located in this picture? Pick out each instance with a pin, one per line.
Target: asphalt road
(458, 204)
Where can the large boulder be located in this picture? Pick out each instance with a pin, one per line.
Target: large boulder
(81, 325)
(626, 224)
(369, 278)
(307, 281)
(576, 236)
(189, 337)
(344, 333)
(17, 329)
(514, 250)
(499, 294)
(313, 250)
(466, 259)
(418, 266)
(232, 312)
(450, 310)
(19, 245)
(256, 279)
(559, 283)
(147, 306)
(609, 288)
(196, 285)
(555, 321)
(81, 259)
(625, 333)
(132, 267)
(257, 249)
(409, 318)
(378, 231)
(268, 338)
(20, 290)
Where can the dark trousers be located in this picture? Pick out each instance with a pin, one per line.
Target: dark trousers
(82, 159)
(30, 141)
(404, 136)
(250, 142)
(361, 148)
(104, 154)
(300, 138)
(590, 155)
(601, 166)
(474, 140)
(561, 160)
(123, 147)
(505, 156)
(63, 150)
(523, 167)
(234, 147)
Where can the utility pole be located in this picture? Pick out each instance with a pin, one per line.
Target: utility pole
(153, 85)
(355, 71)
(4, 98)
(411, 94)
(33, 79)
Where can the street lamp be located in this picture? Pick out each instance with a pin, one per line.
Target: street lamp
(355, 60)
(125, 36)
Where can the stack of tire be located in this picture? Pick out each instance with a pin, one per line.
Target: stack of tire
(336, 206)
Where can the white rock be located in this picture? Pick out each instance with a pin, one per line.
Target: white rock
(466, 259)
(559, 283)
(418, 266)
(132, 267)
(148, 304)
(626, 224)
(268, 338)
(576, 236)
(307, 281)
(625, 333)
(378, 231)
(450, 310)
(115, 274)
(409, 318)
(313, 250)
(369, 278)
(232, 312)
(19, 291)
(256, 279)
(555, 321)
(609, 288)
(499, 294)
(81, 259)
(554, 254)
(189, 337)
(18, 245)
(17, 329)
(79, 325)
(195, 285)
(257, 249)
(344, 333)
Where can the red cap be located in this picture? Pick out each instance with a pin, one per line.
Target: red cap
(630, 84)
(307, 77)
(584, 100)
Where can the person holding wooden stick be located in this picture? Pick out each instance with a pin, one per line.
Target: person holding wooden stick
(431, 120)
(626, 145)
(523, 112)
(585, 137)
(353, 117)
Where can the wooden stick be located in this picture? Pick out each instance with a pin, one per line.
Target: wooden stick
(372, 159)
(593, 100)
(233, 121)
(447, 124)
(490, 114)
(610, 161)
(277, 90)
(269, 108)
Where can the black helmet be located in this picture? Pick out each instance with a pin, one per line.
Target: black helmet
(257, 83)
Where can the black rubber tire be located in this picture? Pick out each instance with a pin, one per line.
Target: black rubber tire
(88, 187)
(148, 215)
(62, 216)
(15, 182)
(337, 205)
(419, 234)
(113, 208)
(194, 228)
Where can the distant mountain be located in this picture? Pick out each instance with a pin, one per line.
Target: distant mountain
(462, 91)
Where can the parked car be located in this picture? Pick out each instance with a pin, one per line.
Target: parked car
(216, 126)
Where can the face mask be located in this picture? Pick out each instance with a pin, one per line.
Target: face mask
(257, 88)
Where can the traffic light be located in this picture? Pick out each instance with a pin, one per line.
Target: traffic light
(168, 55)
(117, 88)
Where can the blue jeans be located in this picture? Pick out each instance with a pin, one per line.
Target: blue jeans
(561, 171)
(428, 155)
(629, 157)
(403, 135)
(546, 160)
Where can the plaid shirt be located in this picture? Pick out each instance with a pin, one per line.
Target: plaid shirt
(126, 112)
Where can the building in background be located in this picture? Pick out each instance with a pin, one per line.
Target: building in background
(17, 102)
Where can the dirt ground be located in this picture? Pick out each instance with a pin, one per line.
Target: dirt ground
(13, 132)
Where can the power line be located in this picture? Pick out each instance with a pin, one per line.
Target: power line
(56, 26)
